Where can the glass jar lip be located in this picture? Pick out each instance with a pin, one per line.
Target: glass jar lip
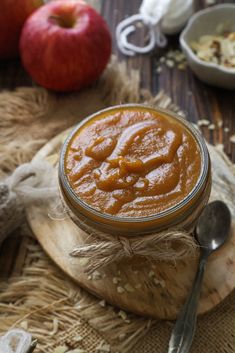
(205, 162)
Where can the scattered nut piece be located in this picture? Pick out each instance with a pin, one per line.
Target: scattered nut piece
(159, 69)
(122, 314)
(96, 275)
(179, 57)
(129, 288)
(232, 139)
(172, 57)
(203, 122)
(181, 66)
(170, 63)
(76, 350)
(116, 280)
(151, 274)
(211, 127)
(24, 325)
(156, 281)
(120, 289)
(102, 303)
(60, 349)
(218, 48)
(162, 59)
(127, 321)
(78, 338)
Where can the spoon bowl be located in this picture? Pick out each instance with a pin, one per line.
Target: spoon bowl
(213, 226)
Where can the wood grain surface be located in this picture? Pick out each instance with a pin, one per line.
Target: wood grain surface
(195, 98)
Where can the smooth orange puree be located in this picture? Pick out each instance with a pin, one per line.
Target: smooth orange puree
(132, 162)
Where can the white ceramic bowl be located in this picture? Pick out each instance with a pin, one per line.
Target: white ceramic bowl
(206, 22)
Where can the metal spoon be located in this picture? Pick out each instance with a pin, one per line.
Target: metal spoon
(212, 231)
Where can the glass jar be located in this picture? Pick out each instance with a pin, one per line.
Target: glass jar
(181, 215)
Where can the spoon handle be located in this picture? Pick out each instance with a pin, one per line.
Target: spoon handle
(183, 331)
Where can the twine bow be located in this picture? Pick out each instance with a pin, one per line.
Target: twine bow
(168, 245)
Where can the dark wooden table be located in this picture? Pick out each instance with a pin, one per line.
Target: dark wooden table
(198, 100)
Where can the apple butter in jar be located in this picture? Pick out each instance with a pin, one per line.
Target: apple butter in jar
(135, 169)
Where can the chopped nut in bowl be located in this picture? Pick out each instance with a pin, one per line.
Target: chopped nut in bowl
(208, 43)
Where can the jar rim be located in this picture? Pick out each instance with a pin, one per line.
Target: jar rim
(205, 162)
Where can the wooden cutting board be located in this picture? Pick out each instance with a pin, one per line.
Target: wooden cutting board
(148, 288)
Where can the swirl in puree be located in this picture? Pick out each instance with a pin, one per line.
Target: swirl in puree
(132, 162)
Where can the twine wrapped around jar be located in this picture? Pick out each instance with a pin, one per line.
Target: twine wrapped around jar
(169, 244)
(103, 249)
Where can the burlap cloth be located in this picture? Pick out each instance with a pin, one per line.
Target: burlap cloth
(43, 300)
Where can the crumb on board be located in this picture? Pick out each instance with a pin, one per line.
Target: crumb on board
(151, 274)
(120, 290)
(116, 280)
(128, 287)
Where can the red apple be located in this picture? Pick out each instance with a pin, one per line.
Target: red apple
(13, 14)
(65, 45)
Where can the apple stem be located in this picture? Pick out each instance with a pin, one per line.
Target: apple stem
(62, 22)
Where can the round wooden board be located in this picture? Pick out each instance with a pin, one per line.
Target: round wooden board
(154, 289)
